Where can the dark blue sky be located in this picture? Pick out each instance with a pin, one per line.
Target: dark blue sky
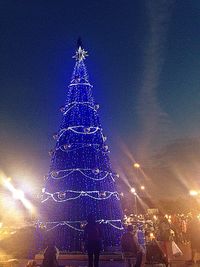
(144, 64)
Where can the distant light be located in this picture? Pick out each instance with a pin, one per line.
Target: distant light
(151, 236)
(136, 165)
(193, 193)
(142, 187)
(133, 190)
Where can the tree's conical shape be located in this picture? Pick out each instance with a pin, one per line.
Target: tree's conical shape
(80, 180)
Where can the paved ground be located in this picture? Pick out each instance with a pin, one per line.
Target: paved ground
(71, 263)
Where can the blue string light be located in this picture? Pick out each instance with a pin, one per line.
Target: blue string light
(80, 180)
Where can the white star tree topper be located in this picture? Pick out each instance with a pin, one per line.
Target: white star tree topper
(81, 54)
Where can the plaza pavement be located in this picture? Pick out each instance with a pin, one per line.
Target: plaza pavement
(71, 263)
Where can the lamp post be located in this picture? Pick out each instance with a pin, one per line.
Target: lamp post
(133, 191)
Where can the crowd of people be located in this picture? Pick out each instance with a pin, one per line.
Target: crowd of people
(144, 239)
(161, 230)
(177, 227)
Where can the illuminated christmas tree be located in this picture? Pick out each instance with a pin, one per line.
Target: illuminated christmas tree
(80, 180)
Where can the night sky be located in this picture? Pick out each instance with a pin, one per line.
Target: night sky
(144, 63)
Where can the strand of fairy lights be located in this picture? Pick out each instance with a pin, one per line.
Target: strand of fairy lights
(73, 104)
(86, 130)
(61, 196)
(79, 102)
(79, 83)
(55, 175)
(73, 147)
(71, 223)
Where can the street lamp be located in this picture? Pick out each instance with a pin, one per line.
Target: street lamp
(136, 165)
(133, 191)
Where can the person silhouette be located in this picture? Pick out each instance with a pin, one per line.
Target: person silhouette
(131, 249)
(93, 241)
(50, 255)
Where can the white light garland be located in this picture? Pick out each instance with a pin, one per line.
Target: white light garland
(73, 104)
(73, 147)
(101, 174)
(52, 225)
(100, 195)
(79, 83)
(84, 130)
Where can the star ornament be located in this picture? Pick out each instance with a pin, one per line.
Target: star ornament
(81, 54)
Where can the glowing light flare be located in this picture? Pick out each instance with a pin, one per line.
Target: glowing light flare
(81, 54)
(151, 236)
(155, 217)
(193, 193)
(136, 165)
(133, 190)
(17, 194)
(6, 182)
(142, 187)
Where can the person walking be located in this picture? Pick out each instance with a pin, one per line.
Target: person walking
(131, 249)
(93, 241)
(163, 237)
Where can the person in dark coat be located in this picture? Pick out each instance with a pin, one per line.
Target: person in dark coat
(50, 256)
(130, 247)
(93, 241)
(194, 236)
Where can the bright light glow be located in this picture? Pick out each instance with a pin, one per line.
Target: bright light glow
(151, 236)
(25, 182)
(81, 54)
(133, 190)
(18, 194)
(193, 193)
(142, 187)
(155, 217)
(136, 165)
